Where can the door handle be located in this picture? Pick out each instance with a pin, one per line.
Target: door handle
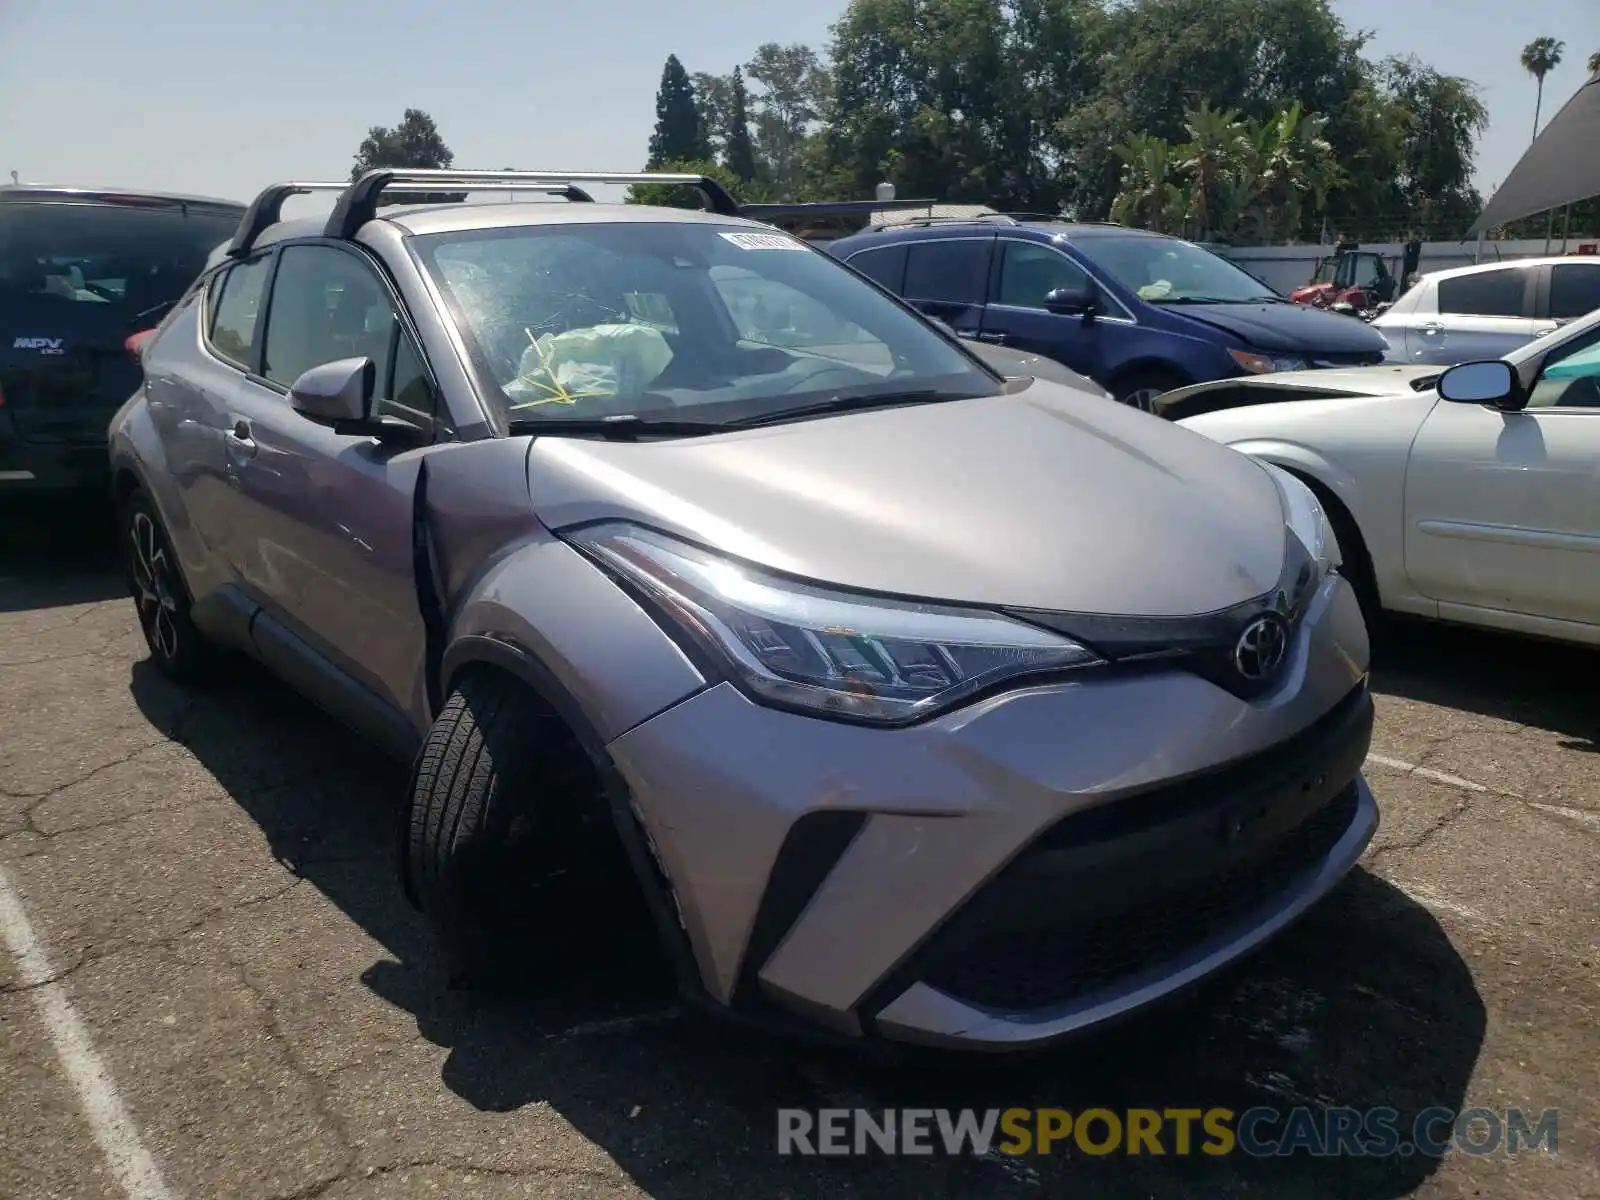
(240, 442)
(992, 337)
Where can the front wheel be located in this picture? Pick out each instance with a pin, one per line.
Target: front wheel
(177, 648)
(1140, 389)
(509, 848)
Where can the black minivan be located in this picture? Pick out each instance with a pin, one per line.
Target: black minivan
(82, 272)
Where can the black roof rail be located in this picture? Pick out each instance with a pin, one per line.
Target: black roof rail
(829, 208)
(267, 209)
(974, 219)
(359, 203)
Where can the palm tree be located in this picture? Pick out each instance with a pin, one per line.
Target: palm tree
(1539, 58)
(1214, 148)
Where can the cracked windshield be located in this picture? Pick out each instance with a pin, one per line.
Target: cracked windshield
(683, 319)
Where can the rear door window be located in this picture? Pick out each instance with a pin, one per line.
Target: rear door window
(1485, 294)
(1574, 290)
(236, 304)
(886, 265)
(952, 272)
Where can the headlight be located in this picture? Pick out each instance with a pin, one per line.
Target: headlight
(830, 653)
(1263, 364)
(1308, 533)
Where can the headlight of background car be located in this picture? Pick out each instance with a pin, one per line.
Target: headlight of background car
(1310, 535)
(831, 653)
(1264, 364)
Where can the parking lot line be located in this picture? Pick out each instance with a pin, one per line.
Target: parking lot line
(108, 1119)
(1421, 772)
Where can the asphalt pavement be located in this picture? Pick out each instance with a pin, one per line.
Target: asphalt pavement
(210, 985)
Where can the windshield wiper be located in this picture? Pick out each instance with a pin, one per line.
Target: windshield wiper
(625, 427)
(840, 404)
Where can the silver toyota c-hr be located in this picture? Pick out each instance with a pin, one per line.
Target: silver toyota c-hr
(918, 701)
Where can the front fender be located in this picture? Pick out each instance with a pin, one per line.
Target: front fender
(554, 618)
(1303, 460)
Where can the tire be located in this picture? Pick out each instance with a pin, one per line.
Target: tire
(1138, 389)
(1357, 565)
(178, 649)
(508, 850)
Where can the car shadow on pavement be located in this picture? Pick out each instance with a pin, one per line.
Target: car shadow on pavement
(1548, 685)
(57, 551)
(1363, 1004)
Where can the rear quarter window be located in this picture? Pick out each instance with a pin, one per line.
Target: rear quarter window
(1574, 290)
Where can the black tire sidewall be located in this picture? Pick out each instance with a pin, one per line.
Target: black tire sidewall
(194, 655)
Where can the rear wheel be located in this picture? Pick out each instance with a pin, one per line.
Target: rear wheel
(159, 594)
(1139, 389)
(509, 847)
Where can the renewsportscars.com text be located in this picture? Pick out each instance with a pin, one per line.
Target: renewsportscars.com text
(1256, 1132)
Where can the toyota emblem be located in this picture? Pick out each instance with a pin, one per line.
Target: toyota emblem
(1261, 648)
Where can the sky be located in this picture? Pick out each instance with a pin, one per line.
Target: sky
(179, 95)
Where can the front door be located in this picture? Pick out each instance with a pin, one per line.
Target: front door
(1017, 318)
(1503, 509)
(321, 526)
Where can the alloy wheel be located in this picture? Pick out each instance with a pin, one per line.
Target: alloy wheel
(155, 595)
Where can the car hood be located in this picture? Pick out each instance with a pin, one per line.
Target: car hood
(1288, 327)
(1387, 380)
(1046, 498)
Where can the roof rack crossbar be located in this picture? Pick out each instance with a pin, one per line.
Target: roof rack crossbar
(1000, 218)
(359, 203)
(267, 209)
(564, 190)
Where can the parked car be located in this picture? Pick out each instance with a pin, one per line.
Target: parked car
(1488, 310)
(82, 271)
(1469, 495)
(655, 537)
(1139, 313)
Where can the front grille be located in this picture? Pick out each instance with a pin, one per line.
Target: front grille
(1023, 970)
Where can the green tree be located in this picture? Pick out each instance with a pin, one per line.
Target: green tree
(713, 96)
(1594, 63)
(793, 89)
(1539, 58)
(415, 142)
(671, 195)
(679, 134)
(739, 153)
(1444, 117)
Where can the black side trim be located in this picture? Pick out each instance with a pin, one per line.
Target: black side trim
(813, 847)
(425, 569)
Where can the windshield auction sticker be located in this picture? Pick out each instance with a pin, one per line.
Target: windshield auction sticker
(764, 241)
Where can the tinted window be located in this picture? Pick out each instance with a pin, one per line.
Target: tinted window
(886, 265)
(132, 261)
(1570, 376)
(236, 310)
(956, 272)
(1484, 294)
(1029, 272)
(699, 321)
(326, 305)
(1574, 289)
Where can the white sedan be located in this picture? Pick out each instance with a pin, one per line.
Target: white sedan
(1470, 494)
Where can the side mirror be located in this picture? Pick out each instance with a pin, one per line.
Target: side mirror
(337, 393)
(1492, 382)
(944, 325)
(1071, 301)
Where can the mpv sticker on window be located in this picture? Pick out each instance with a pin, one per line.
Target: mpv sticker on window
(764, 241)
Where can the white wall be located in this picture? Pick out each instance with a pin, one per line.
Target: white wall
(1288, 267)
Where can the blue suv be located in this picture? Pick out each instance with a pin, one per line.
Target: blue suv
(1139, 313)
